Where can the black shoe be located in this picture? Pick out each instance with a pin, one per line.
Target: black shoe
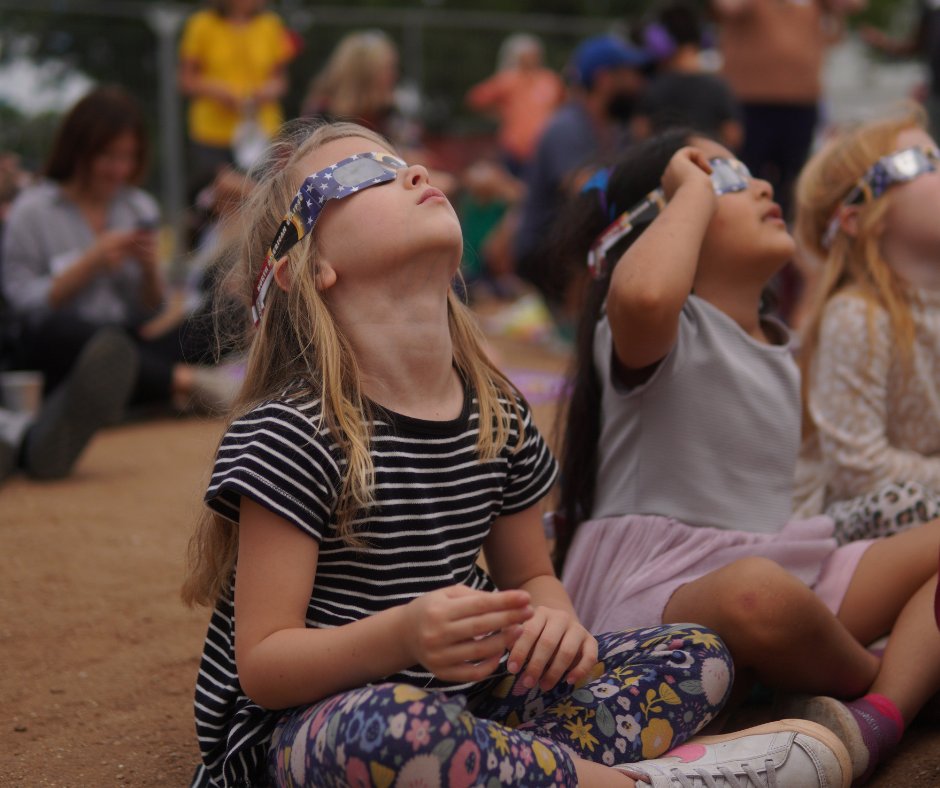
(7, 459)
(93, 395)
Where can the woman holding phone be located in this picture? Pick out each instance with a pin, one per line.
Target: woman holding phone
(80, 252)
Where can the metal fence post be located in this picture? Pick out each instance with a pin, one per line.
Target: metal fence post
(166, 23)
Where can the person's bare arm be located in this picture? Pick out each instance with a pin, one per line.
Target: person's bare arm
(730, 7)
(553, 644)
(654, 277)
(282, 663)
(193, 84)
(890, 45)
(274, 87)
(844, 7)
(109, 252)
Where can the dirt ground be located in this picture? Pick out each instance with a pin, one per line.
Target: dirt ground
(98, 656)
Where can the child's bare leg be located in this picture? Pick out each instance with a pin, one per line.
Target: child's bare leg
(892, 589)
(872, 725)
(775, 626)
(910, 668)
(888, 575)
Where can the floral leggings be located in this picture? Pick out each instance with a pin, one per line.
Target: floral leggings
(651, 690)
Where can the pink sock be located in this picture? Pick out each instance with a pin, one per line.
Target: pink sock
(881, 726)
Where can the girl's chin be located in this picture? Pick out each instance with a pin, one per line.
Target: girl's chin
(775, 260)
(783, 248)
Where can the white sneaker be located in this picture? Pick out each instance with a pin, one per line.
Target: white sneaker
(793, 753)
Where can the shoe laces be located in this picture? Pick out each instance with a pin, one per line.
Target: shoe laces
(748, 777)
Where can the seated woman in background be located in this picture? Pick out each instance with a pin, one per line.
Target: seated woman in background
(867, 206)
(80, 252)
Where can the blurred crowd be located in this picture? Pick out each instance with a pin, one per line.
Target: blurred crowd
(83, 269)
(749, 437)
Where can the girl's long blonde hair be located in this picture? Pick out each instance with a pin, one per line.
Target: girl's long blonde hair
(298, 340)
(855, 260)
(351, 86)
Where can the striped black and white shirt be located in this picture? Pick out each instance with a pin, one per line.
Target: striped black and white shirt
(435, 502)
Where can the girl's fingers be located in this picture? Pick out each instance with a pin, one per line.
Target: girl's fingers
(575, 657)
(700, 159)
(479, 626)
(586, 663)
(480, 649)
(523, 646)
(564, 659)
(479, 603)
(469, 671)
(543, 652)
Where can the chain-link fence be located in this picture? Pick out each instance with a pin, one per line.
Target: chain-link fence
(443, 52)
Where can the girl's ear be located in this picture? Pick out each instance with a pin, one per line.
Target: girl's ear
(848, 219)
(326, 275)
(282, 274)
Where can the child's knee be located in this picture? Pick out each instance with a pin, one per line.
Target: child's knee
(760, 602)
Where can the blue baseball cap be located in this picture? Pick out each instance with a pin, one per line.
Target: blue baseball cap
(604, 52)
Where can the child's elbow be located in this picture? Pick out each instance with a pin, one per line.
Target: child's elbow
(260, 686)
(644, 303)
(263, 695)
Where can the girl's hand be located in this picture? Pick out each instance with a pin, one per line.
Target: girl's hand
(460, 634)
(555, 644)
(688, 167)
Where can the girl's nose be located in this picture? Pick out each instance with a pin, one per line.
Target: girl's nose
(414, 175)
(764, 188)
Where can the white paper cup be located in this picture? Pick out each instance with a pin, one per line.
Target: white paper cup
(21, 391)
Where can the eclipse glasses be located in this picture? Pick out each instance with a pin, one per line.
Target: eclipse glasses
(340, 180)
(727, 176)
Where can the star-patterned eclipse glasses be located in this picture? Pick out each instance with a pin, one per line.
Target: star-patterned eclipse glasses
(727, 176)
(337, 181)
(898, 167)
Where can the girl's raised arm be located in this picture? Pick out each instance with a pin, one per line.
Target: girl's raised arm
(282, 663)
(655, 275)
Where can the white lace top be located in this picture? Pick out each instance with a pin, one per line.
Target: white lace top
(877, 421)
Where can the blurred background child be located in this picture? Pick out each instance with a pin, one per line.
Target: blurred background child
(867, 207)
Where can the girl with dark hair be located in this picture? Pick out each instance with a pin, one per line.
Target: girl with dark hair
(680, 447)
(80, 252)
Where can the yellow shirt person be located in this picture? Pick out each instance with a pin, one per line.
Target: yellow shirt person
(228, 65)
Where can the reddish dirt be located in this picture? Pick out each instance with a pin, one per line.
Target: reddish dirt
(98, 654)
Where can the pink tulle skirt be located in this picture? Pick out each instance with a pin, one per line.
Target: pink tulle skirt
(622, 571)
